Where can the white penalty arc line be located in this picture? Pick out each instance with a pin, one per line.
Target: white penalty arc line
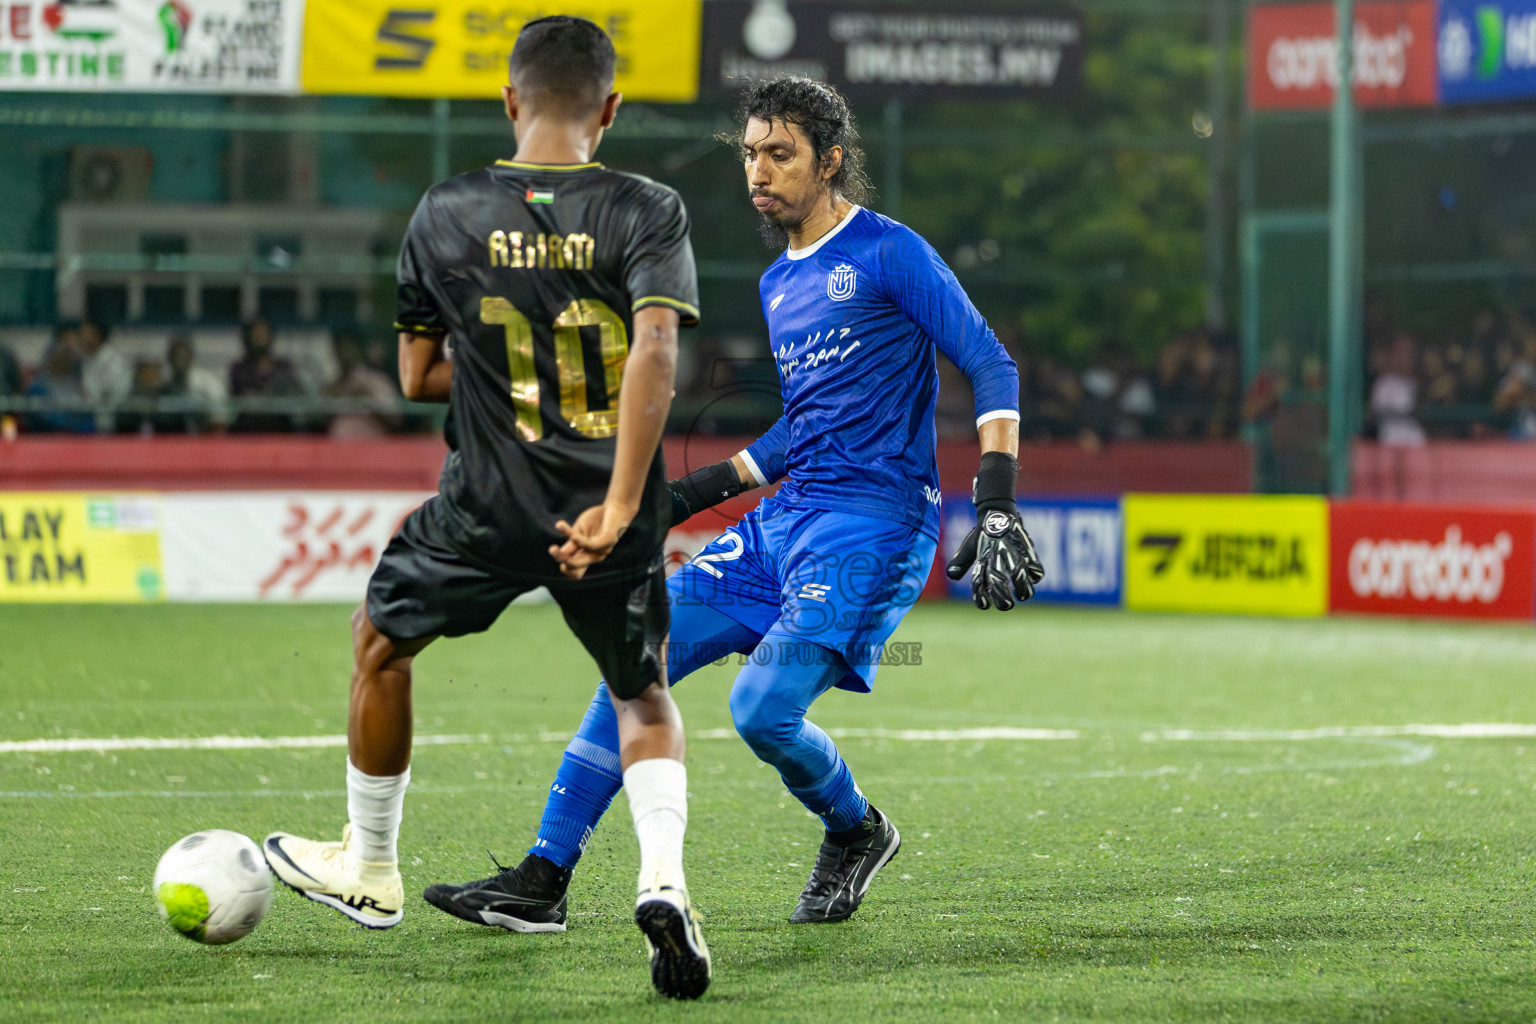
(1465, 731)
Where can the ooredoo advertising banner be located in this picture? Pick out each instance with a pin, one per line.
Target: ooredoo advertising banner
(213, 46)
(1293, 55)
(1078, 541)
(1433, 560)
(275, 546)
(79, 547)
(1254, 554)
(1487, 50)
(459, 48)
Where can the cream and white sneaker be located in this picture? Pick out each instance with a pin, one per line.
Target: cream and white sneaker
(680, 966)
(330, 873)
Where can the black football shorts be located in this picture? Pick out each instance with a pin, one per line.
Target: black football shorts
(425, 585)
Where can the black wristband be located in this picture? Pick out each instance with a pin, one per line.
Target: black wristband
(707, 487)
(997, 482)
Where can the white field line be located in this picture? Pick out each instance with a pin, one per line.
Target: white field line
(106, 745)
(921, 735)
(1471, 730)
(100, 746)
(1467, 731)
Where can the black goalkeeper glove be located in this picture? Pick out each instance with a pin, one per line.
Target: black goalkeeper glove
(702, 489)
(1006, 567)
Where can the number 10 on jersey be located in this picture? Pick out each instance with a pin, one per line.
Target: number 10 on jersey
(570, 365)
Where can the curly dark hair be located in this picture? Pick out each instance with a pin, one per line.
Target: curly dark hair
(822, 113)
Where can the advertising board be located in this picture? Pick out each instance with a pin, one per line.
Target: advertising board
(458, 49)
(1079, 541)
(1265, 555)
(1487, 51)
(79, 547)
(213, 46)
(276, 546)
(1432, 560)
(1293, 55)
(947, 49)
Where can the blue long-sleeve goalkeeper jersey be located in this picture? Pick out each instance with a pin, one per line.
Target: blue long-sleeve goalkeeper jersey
(856, 321)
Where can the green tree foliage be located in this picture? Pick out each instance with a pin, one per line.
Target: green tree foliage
(1088, 214)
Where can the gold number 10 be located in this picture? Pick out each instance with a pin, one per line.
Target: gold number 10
(570, 364)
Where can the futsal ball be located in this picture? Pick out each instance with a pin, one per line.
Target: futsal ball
(213, 886)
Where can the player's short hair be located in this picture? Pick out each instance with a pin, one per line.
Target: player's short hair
(822, 113)
(565, 60)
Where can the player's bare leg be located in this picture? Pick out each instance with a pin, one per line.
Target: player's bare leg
(360, 875)
(651, 748)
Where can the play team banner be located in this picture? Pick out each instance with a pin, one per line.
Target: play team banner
(458, 49)
(79, 547)
(212, 46)
(1265, 555)
(1293, 55)
(1433, 560)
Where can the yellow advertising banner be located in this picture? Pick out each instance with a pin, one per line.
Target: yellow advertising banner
(79, 547)
(458, 49)
(1237, 554)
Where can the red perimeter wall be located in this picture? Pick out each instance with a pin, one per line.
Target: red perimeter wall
(1460, 471)
(270, 463)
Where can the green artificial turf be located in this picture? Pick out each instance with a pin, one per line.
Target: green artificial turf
(1118, 875)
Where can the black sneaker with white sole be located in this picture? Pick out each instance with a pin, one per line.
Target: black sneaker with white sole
(527, 898)
(843, 872)
(680, 966)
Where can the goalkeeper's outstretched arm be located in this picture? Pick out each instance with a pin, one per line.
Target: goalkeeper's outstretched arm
(757, 465)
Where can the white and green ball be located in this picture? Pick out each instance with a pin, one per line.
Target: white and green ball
(213, 886)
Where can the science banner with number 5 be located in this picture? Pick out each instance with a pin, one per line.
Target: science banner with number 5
(458, 49)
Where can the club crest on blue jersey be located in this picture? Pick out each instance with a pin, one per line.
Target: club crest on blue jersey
(841, 282)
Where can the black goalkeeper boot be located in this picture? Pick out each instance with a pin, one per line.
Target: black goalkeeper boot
(527, 898)
(845, 865)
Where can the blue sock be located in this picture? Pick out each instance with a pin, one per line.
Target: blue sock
(768, 705)
(834, 797)
(590, 774)
(588, 780)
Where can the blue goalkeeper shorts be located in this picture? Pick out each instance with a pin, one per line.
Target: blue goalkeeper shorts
(823, 586)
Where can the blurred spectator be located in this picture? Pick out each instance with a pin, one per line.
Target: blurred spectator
(201, 396)
(59, 378)
(1196, 382)
(105, 376)
(1394, 395)
(140, 416)
(356, 379)
(10, 373)
(1516, 396)
(260, 373)
(1136, 405)
(1053, 398)
(1101, 391)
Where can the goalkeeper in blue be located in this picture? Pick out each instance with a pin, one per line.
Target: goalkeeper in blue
(813, 581)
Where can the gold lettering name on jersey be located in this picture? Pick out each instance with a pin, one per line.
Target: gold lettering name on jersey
(540, 252)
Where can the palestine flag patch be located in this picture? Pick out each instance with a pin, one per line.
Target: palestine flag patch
(535, 195)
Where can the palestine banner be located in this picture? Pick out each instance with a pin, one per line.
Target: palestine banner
(212, 46)
(947, 51)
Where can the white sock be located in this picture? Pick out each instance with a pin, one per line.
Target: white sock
(658, 800)
(375, 804)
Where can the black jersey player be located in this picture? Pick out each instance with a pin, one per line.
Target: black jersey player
(559, 286)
